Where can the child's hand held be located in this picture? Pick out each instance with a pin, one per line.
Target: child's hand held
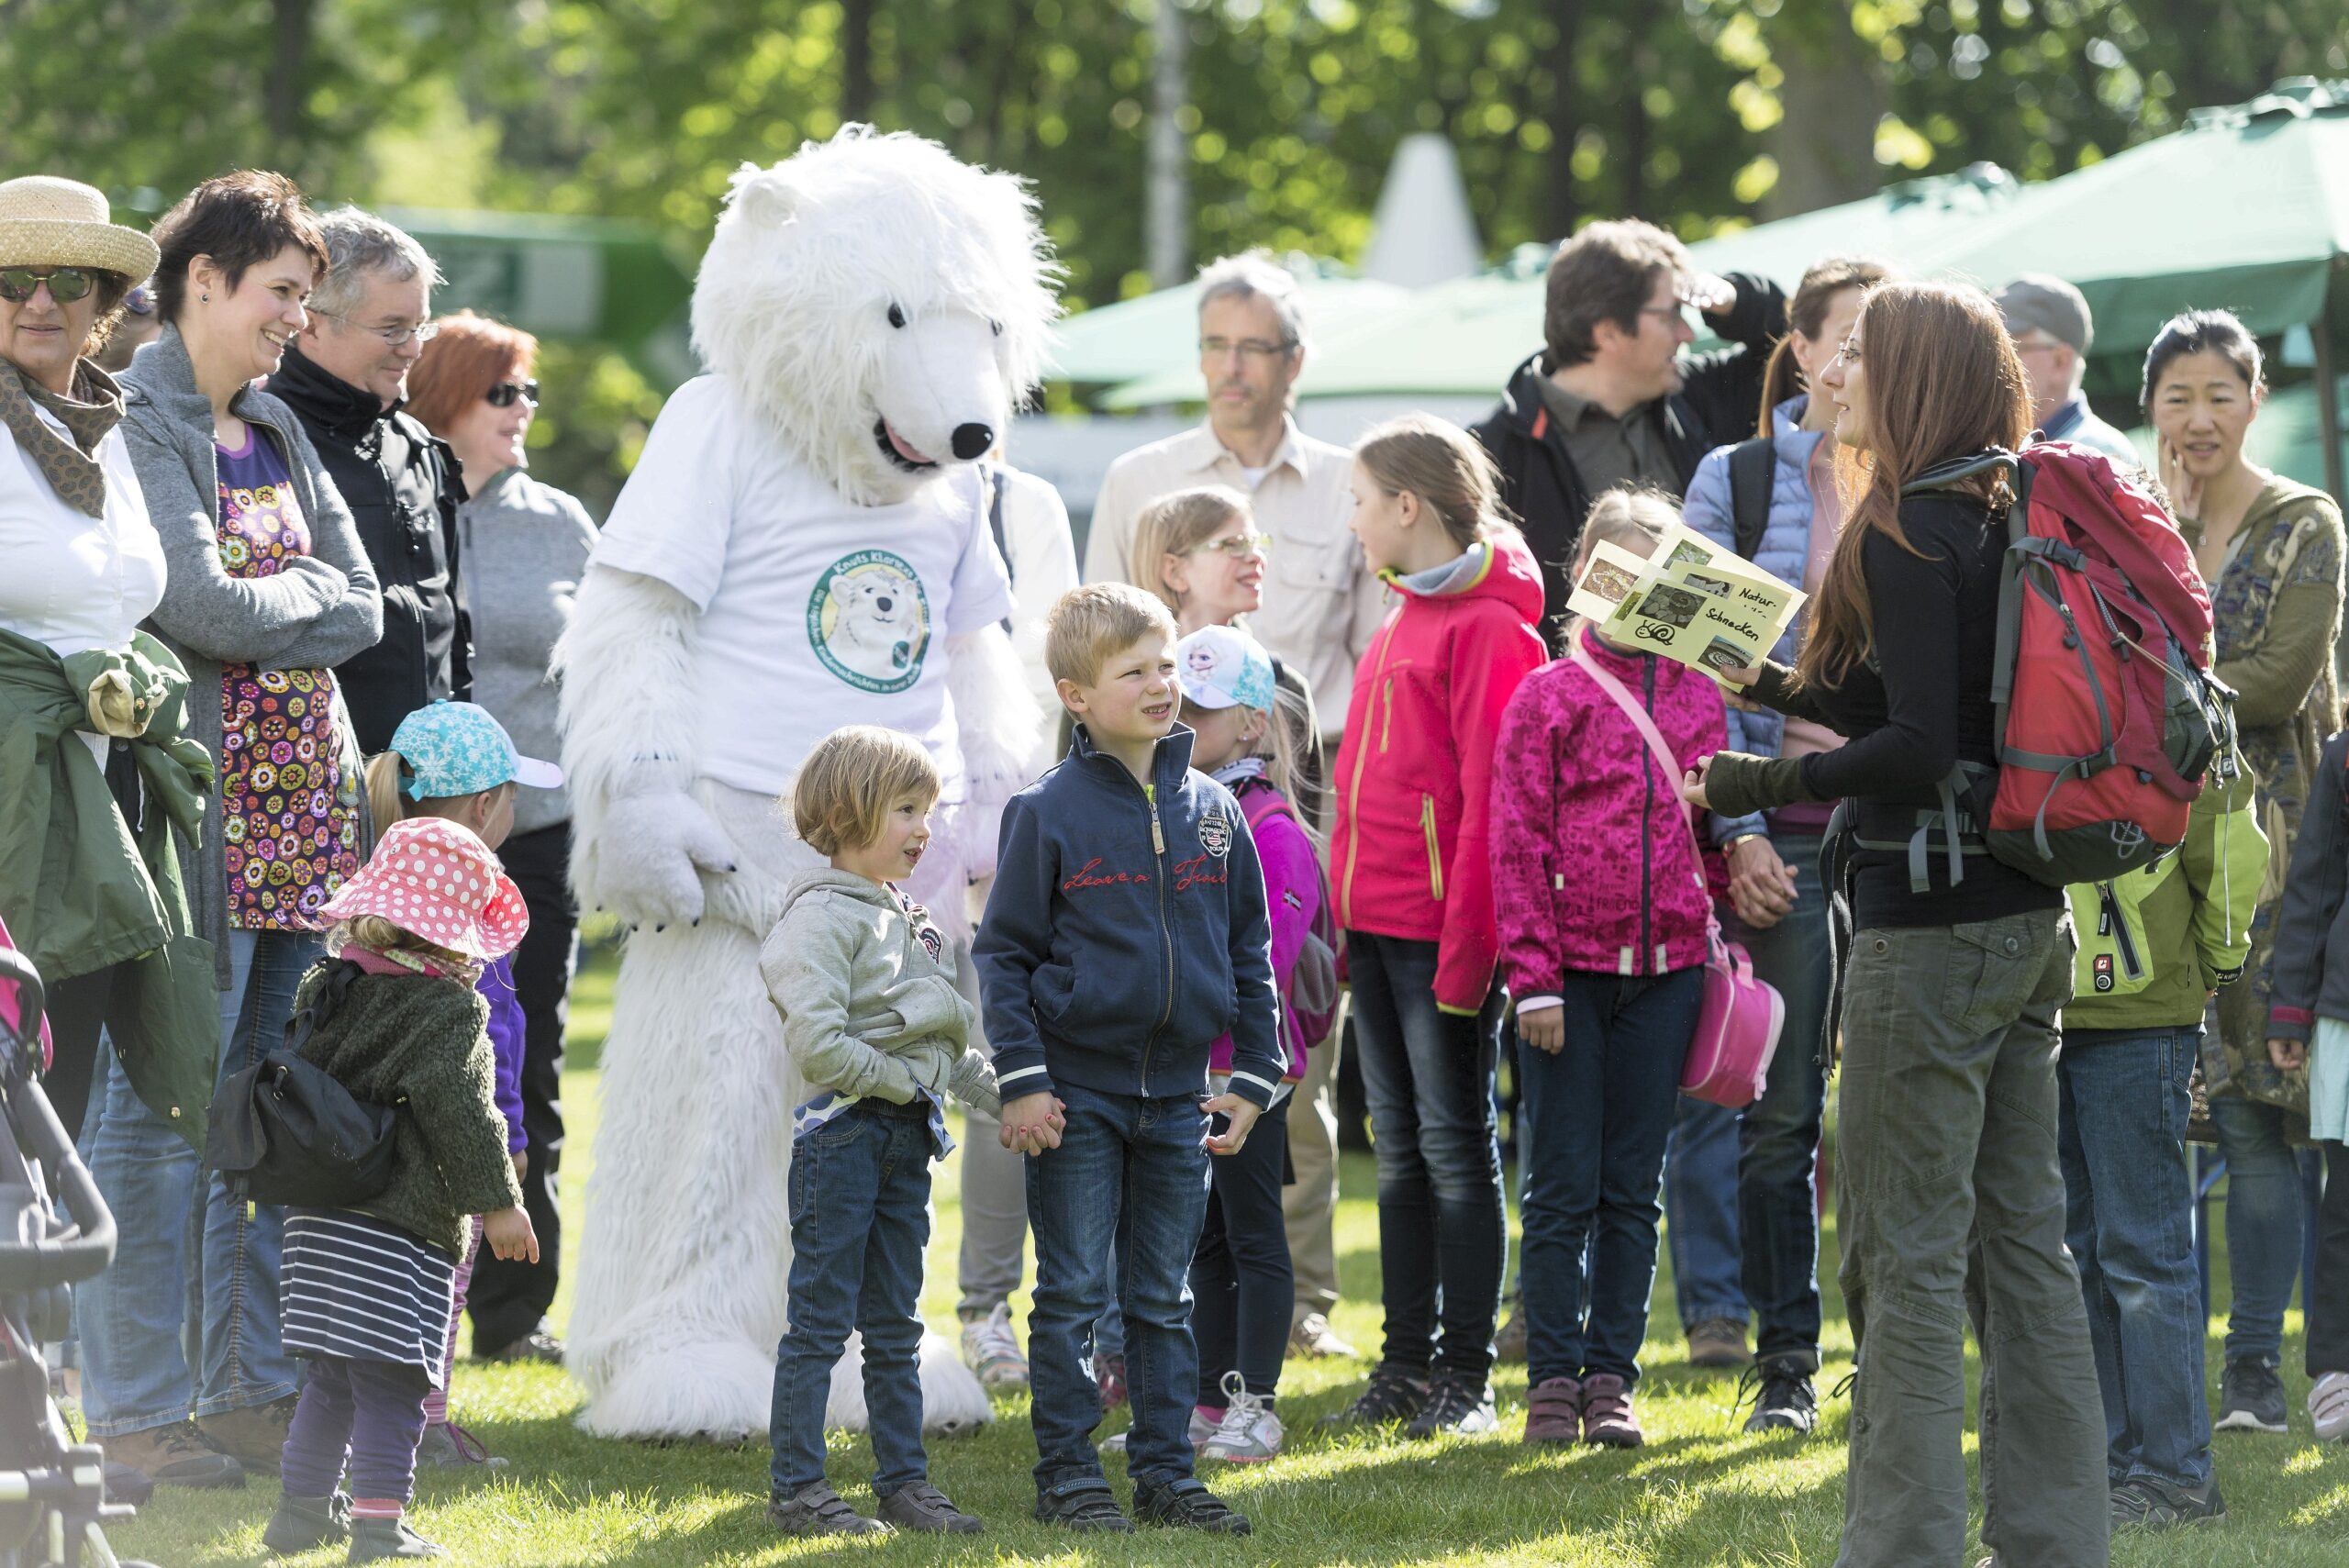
(510, 1236)
(2288, 1054)
(1692, 785)
(1241, 1114)
(1544, 1028)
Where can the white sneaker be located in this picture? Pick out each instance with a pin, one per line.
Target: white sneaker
(1201, 1430)
(1250, 1434)
(2329, 1406)
(992, 1350)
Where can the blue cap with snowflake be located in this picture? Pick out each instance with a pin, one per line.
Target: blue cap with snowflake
(456, 748)
(1222, 666)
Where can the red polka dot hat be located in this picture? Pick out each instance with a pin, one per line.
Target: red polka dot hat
(437, 879)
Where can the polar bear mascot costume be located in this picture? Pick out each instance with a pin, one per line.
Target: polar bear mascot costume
(803, 545)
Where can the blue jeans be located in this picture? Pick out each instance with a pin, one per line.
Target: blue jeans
(1442, 1221)
(1701, 1212)
(1777, 1187)
(1601, 1110)
(1130, 1169)
(131, 1318)
(2130, 1223)
(2267, 1217)
(860, 1218)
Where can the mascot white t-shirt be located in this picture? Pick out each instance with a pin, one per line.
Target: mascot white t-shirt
(836, 612)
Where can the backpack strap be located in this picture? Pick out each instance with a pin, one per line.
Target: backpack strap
(1657, 747)
(1752, 467)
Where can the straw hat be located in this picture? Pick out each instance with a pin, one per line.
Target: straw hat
(47, 222)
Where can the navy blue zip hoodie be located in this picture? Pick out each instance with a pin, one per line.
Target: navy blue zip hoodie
(1126, 934)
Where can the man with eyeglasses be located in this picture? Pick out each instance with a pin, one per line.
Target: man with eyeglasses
(2049, 321)
(346, 378)
(1611, 399)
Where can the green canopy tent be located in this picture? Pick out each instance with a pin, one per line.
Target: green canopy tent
(1158, 334)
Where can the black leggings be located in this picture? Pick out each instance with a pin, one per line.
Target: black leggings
(1240, 1280)
(2328, 1342)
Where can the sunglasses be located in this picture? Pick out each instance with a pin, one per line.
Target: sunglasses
(504, 393)
(66, 284)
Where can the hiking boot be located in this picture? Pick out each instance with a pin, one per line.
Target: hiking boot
(254, 1436)
(2329, 1408)
(1314, 1338)
(1110, 1376)
(378, 1540)
(1202, 1427)
(1718, 1342)
(1392, 1397)
(1554, 1411)
(924, 1509)
(1784, 1399)
(537, 1345)
(2144, 1503)
(176, 1455)
(1608, 1418)
(301, 1523)
(448, 1446)
(1187, 1505)
(1455, 1407)
(817, 1510)
(1509, 1345)
(2251, 1400)
(991, 1349)
(1082, 1504)
(1249, 1433)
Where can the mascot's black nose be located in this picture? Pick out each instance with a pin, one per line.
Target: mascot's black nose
(972, 442)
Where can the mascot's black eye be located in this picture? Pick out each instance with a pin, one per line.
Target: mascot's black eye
(996, 328)
(896, 317)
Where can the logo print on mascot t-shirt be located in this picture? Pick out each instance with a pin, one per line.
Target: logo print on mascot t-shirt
(868, 620)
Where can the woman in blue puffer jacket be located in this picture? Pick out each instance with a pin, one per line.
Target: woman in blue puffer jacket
(1780, 910)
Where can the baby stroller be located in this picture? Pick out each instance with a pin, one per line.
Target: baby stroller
(52, 1492)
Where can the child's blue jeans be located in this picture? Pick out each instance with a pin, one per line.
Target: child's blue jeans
(860, 1218)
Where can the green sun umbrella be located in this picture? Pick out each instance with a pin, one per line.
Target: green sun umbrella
(1159, 333)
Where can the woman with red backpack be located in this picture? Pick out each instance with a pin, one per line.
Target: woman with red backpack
(1950, 1199)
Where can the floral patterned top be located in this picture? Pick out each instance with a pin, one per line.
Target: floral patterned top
(289, 818)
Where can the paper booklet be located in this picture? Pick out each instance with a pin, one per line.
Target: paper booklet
(1694, 602)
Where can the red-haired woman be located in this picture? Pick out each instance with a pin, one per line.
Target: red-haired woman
(1950, 1197)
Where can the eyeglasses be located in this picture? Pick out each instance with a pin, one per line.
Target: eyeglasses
(1246, 348)
(1673, 312)
(423, 331)
(1240, 546)
(66, 284)
(504, 394)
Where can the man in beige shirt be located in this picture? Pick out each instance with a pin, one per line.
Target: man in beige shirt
(1321, 604)
(1321, 607)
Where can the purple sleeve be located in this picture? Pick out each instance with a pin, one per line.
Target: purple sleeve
(1292, 890)
(506, 1036)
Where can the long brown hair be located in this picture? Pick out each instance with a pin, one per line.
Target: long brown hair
(1814, 296)
(1942, 382)
(1442, 465)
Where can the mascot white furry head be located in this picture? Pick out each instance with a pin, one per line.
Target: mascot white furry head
(885, 306)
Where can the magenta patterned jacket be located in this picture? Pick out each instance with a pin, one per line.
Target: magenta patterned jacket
(1593, 868)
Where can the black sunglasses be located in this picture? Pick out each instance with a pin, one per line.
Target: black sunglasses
(503, 394)
(66, 284)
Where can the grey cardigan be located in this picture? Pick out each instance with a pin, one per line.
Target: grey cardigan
(319, 611)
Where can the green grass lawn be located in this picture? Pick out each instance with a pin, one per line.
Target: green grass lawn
(1700, 1493)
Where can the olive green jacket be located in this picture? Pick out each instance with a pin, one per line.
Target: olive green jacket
(81, 889)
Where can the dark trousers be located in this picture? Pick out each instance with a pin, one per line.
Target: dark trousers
(510, 1297)
(1442, 1225)
(370, 1414)
(1242, 1279)
(2328, 1343)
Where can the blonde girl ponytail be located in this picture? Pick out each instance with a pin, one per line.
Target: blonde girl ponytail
(386, 803)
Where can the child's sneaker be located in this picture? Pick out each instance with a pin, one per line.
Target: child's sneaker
(1202, 1427)
(1554, 1411)
(1188, 1505)
(301, 1523)
(2329, 1408)
(2251, 1400)
(1455, 1407)
(1084, 1503)
(1392, 1397)
(992, 1350)
(923, 1508)
(1608, 1418)
(817, 1511)
(448, 1446)
(1250, 1432)
(375, 1539)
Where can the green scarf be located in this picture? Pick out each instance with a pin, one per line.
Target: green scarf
(94, 409)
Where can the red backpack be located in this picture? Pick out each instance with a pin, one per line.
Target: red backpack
(2108, 714)
(1313, 984)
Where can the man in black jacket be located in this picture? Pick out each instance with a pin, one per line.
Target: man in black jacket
(1611, 400)
(344, 379)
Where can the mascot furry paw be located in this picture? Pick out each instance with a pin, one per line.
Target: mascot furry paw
(803, 545)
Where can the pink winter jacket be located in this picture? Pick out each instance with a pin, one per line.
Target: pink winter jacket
(1292, 896)
(1593, 867)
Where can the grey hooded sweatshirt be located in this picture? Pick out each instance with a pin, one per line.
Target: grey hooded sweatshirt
(864, 980)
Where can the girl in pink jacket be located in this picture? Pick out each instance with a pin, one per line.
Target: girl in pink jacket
(1601, 910)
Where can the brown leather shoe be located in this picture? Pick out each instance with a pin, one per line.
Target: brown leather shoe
(176, 1455)
(1718, 1342)
(255, 1434)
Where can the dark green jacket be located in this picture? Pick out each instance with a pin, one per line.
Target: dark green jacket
(80, 888)
(421, 1044)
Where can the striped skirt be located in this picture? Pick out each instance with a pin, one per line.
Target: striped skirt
(355, 1287)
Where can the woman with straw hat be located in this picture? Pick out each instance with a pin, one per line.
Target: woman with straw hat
(94, 813)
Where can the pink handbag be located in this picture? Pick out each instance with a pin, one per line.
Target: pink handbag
(1741, 1018)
